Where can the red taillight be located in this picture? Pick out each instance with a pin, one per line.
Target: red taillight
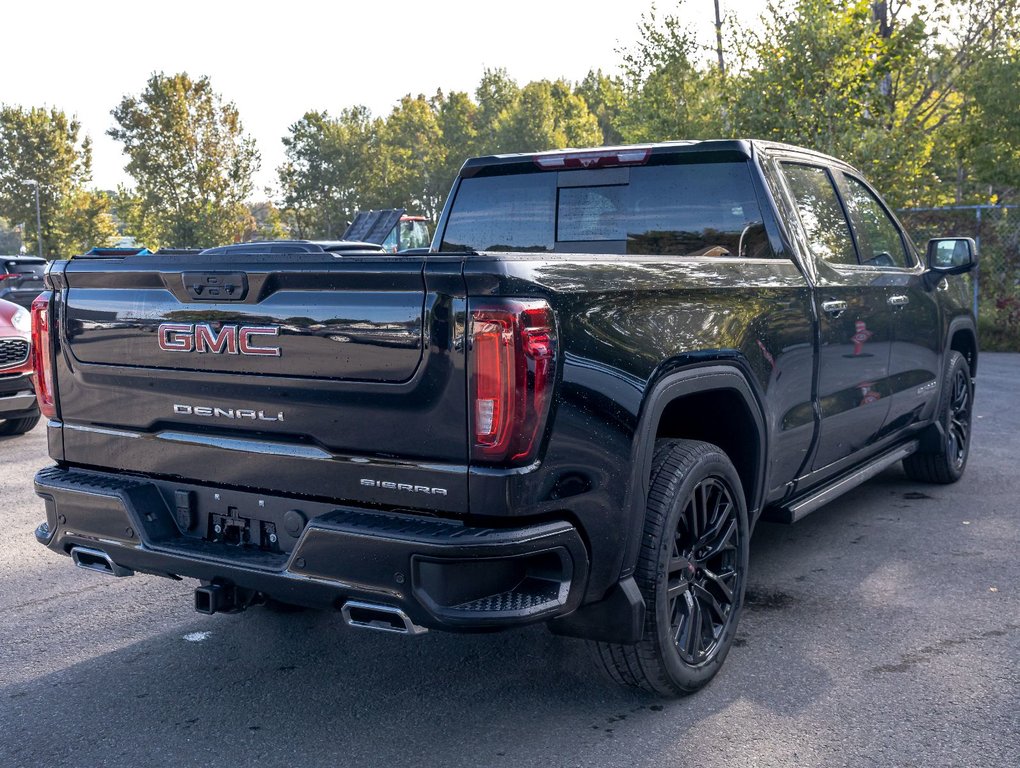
(9, 275)
(42, 356)
(512, 369)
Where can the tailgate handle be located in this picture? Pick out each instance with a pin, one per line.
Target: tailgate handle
(215, 286)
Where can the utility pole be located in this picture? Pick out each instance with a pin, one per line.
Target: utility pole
(718, 38)
(38, 215)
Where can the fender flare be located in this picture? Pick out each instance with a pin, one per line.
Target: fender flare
(961, 323)
(688, 381)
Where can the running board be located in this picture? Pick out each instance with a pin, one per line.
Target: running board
(803, 507)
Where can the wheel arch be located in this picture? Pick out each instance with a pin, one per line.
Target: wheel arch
(962, 337)
(688, 404)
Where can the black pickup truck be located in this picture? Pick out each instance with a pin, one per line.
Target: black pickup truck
(571, 409)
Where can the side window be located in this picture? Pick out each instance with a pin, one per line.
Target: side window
(878, 238)
(827, 230)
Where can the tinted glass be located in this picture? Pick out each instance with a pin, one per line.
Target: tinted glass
(826, 227)
(705, 209)
(878, 238)
(503, 213)
(25, 268)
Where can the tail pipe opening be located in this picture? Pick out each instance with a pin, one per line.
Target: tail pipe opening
(97, 560)
(384, 618)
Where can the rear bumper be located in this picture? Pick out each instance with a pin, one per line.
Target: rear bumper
(441, 573)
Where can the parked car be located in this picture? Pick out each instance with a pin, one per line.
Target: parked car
(18, 410)
(21, 278)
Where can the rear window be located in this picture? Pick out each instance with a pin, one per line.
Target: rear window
(702, 209)
(24, 267)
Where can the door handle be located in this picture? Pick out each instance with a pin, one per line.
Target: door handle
(834, 308)
(898, 301)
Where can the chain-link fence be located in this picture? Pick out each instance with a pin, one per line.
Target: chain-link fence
(996, 229)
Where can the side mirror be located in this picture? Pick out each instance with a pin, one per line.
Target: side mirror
(952, 255)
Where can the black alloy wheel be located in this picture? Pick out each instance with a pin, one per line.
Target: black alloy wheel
(704, 575)
(954, 415)
(691, 571)
(959, 417)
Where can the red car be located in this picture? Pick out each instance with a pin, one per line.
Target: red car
(18, 409)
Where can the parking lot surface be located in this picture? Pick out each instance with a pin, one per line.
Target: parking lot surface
(883, 630)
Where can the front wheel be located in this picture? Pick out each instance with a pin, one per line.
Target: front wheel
(692, 571)
(955, 407)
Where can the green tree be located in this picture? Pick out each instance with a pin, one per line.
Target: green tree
(413, 158)
(265, 222)
(670, 92)
(10, 238)
(988, 167)
(547, 115)
(83, 221)
(495, 95)
(331, 171)
(889, 97)
(458, 121)
(45, 146)
(605, 98)
(190, 159)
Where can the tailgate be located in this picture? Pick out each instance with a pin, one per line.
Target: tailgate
(329, 376)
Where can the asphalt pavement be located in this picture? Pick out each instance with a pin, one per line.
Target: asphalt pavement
(882, 630)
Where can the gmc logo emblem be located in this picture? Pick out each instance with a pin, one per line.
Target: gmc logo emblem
(229, 340)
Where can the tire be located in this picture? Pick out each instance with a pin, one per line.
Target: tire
(692, 581)
(18, 426)
(954, 414)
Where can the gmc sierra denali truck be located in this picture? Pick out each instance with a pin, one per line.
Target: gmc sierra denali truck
(572, 409)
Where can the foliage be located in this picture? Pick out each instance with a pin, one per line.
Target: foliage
(606, 100)
(670, 93)
(41, 145)
(546, 115)
(410, 159)
(328, 173)
(191, 161)
(10, 238)
(990, 143)
(264, 223)
(84, 220)
(890, 98)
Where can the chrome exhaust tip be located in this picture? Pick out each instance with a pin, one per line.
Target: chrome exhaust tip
(383, 618)
(99, 561)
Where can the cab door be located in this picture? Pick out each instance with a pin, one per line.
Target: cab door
(912, 385)
(854, 327)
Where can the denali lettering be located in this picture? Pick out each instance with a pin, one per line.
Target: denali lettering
(229, 339)
(407, 487)
(225, 413)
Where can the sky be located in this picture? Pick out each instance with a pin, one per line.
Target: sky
(276, 61)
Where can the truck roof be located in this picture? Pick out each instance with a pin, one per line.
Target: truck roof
(635, 154)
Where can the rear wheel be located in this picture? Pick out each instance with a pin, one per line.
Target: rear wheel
(18, 426)
(691, 571)
(955, 406)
